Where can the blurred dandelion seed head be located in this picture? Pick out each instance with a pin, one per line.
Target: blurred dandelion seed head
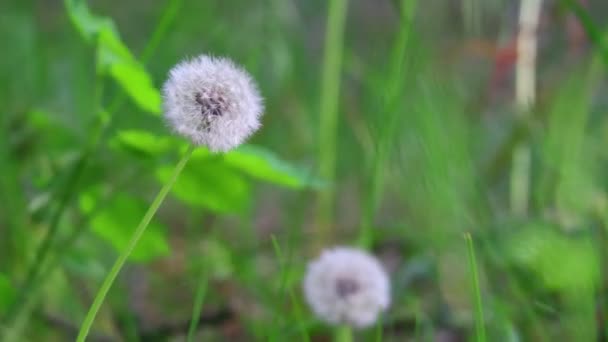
(212, 102)
(347, 286)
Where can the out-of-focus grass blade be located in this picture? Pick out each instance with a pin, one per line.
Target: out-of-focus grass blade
(594, 32)
(567, 164)
(480, 329)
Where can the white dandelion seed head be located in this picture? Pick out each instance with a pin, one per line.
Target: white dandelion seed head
(212, 102)
(347, 286)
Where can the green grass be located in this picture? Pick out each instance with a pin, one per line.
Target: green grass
(389, 126)
(480, 329)
(328, 115)
(137, 234)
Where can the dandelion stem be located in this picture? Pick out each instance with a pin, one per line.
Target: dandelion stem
(343, 334)
(137, 234)
(330, 92)
(480, 329)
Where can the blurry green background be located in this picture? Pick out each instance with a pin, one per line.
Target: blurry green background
(429, 144)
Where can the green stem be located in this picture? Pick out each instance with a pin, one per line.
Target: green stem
(379, 331)
(284, 271)
(520, 179)
(198, 306)
(395, 80)
(169, 14)
(137, 234)
(330, 92)
(344, 333)
(480, 329)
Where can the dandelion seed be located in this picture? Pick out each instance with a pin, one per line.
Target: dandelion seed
(347, 286)
(212, 102)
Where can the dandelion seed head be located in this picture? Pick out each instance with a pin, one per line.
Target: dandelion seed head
(212, 102)
(347, 286)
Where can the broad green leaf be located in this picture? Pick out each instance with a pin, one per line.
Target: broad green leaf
(562, 263)
(85, 22)
(144, 142)
(7, 292)
(209, 183)
(114, 57)
(115, 222)
(263, 164)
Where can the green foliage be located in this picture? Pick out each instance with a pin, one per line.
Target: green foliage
(115, 221)
(560, 262)
(7, 292)
(417, 132)
(568, 156)
(218, 183)
(209, 184)
(265, 165)
(113, 57)
(143, 143)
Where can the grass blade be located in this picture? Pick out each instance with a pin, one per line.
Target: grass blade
(480, 330)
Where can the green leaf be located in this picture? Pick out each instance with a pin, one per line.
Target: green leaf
(116, 60)
(263, 164)
(144, 142)
(209, 183)
(114, 57)
(562, 263)
(85, 22)
(7, 292)
(115, 222)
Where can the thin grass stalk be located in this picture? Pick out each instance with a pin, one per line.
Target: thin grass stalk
(593, 31)
(480, 329)
(283, 263)
(328, 115)
(391, 101)
(199, 299)
(137, 234)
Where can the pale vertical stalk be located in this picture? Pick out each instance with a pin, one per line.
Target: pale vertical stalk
(328, 112)
(525, 95)
(526, 53)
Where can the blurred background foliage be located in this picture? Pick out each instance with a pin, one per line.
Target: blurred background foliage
(427, 139)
